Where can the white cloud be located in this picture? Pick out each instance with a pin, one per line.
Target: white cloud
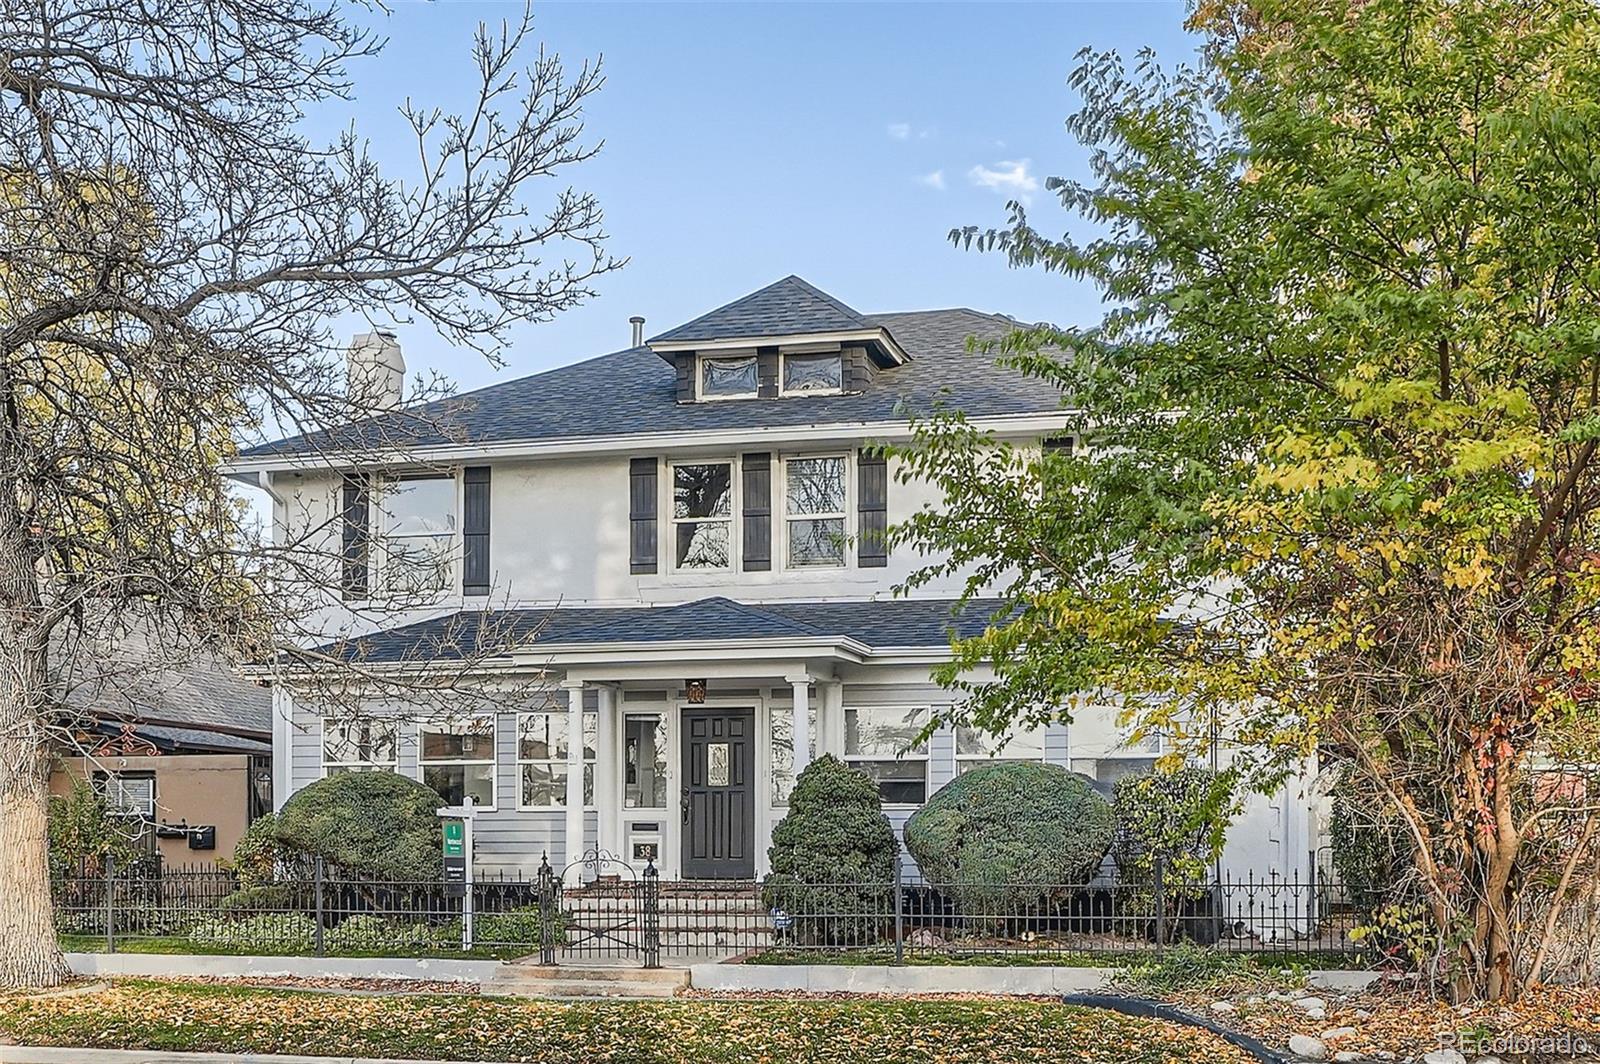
(900, 130)
(1009, 177)
(933, 180)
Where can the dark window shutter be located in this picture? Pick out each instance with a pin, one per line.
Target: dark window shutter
(642, 515)
(872, 510)
(686, 365)
(356, 510)
(757, 513)
(767, 373)
(475, 530)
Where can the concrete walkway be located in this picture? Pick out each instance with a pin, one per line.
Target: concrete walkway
(35, 1055)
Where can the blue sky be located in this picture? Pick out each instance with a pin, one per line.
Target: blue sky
(744, 142)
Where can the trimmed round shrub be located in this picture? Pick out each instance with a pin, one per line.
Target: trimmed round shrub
(833, 856)
(260, 858)
(1008, 839)
(372, 824)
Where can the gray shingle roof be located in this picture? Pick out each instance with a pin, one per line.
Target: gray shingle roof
(784, 308)
(634, 391)
(894, 623)
(139, 679)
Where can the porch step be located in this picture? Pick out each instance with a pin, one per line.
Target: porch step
(591, 981)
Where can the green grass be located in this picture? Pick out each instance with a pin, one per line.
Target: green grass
(172, 944)
(226, 1019)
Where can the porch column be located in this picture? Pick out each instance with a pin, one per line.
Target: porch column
(802, 721)
(573, 847)
(830, 719)
(607, 772)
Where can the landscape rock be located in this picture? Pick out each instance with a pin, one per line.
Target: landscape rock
(1443, 1056)
(1303, 1045)
(1223, 1008)
(1309, 1003)
(1345, 1056)
(1334, 1033)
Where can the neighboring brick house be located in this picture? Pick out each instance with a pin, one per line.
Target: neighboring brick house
(685, 528)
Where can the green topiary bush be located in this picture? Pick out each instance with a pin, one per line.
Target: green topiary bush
(373, 824)
(833, 856)
(1178, 816)
(1004, 838)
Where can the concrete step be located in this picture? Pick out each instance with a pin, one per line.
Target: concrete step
(597, 981)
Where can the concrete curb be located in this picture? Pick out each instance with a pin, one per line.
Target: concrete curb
(68, 1055)
(159, 965)
(887, 979)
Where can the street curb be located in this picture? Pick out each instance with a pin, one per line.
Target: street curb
(168, 965)
(1146, 1008)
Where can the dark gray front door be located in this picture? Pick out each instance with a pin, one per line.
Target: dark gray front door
(719, 798)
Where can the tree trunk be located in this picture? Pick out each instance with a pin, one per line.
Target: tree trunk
(29, 955)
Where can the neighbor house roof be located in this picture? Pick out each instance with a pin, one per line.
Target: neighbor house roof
(634, 391)
(891, 624)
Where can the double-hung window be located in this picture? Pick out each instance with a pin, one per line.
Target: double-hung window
(815, 499)
(820, 374)
(542, 759)
(729, 377)
(457, 759)
(702, 515)
(882, 741)
(417, 533)
(359, 744)
(975, 748)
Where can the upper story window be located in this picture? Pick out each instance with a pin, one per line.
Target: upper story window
(416, 533)
(813, 374)
(815, 497)
(728, 377)
(702, 515)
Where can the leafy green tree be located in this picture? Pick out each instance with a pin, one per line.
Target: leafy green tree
(1337, 484)
(84, 832)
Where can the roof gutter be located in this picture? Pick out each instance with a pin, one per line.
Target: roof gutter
(1025, 424)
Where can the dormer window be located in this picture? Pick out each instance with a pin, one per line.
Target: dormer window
(813, 374)
(728, 377)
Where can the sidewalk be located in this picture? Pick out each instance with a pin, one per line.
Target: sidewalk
(67, 1055)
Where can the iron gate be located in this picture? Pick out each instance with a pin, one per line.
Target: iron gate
(599, 906)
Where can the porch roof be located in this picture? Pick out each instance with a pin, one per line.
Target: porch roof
(879, 625)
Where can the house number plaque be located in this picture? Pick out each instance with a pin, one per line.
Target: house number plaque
(717, 764)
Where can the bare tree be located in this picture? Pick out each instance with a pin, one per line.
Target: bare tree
(173, 251)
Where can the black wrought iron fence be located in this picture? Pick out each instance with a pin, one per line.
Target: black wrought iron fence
(596, 909)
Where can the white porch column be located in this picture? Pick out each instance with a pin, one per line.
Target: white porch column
(607, 771)
(802, 721)
(830, 719)
(572, 847)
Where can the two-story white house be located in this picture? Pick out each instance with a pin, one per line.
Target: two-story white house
(687, 531)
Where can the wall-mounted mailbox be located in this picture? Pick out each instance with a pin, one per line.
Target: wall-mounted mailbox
(203, 838)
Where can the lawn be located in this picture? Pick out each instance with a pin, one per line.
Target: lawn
(177, 1016)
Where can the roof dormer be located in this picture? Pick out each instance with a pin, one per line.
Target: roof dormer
(788, 339)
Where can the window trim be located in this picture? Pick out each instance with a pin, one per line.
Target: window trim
(732, 519)
(925, 757)
(493, 760)
(322, 747)
(590, 763)
(700, 359)
(783, 361)
(842, 516)
(378, 539)
(103, 781)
